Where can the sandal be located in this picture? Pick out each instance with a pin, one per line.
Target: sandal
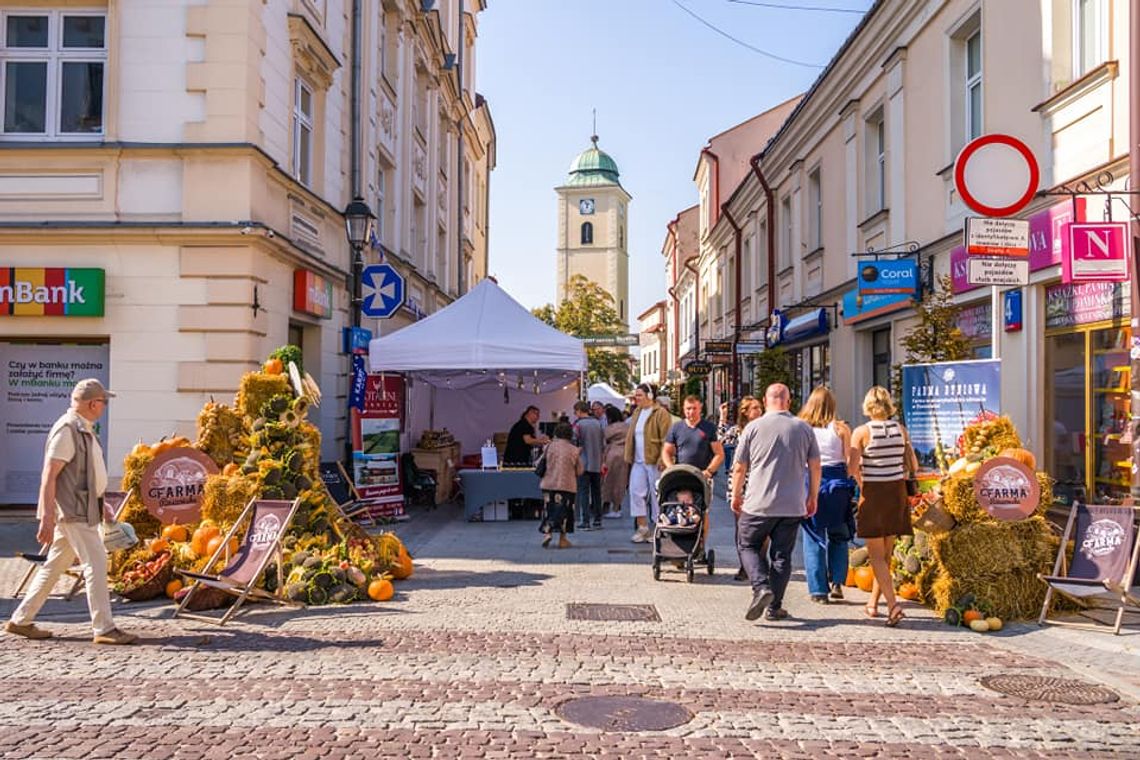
(546, 541)
(896, 616)
(871, 612)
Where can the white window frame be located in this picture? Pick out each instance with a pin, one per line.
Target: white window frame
(785, 259)
(381, 177)
(875, 143)
(54, 56)
(1100, 54)
(815, 209)
(881, 161)
(301, 120)
(973, 81)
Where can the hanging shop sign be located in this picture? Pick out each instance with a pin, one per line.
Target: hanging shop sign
(996, 175)
(997, 237)
(807, 325)
(718, 360)
(775, 328)
(859, 308)
(898, 276)
(1097, 252)
(1011, 308)
(940, 400)
(312, 294)
(1006, 488)
(173, 484)
(1048, 241)
(697, 368)
(998, 271)
(1068, 305)
(718, 347)
(611, 340)
(51, 292)
(745, 347)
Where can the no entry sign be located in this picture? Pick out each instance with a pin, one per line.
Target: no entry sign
(996, 175)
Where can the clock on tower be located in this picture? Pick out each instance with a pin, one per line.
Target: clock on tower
(586, 206)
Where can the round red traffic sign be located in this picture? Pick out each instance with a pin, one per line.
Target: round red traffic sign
(996, 175)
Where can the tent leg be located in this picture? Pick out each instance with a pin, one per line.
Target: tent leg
(431, 410)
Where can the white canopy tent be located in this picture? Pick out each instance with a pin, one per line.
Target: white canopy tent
(606, 394)
(492, 354)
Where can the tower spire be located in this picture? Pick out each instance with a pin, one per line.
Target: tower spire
(594, 135)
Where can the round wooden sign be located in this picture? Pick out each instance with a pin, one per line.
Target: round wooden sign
(173, 484)
(1007, 489)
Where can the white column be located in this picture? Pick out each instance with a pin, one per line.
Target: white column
(851, 186)
(896, 149)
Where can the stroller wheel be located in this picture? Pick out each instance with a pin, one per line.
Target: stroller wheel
(710, 560)
(656, 571)
(689, 571)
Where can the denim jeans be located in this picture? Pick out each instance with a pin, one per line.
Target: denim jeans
(823, 561)
(589, 498)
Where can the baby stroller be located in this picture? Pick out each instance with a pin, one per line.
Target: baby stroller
(679, 535)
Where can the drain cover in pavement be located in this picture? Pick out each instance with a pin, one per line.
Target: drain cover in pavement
(624, 713)
(626, 612)
(1049, 689)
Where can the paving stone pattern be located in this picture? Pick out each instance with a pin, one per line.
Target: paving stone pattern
(475, 655)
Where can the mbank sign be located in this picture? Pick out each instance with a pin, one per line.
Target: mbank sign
(51, 292)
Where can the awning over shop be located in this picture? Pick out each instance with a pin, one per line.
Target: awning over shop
(810, 324)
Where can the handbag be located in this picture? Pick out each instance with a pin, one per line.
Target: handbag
(912, 486)
(118, 535)
(540, 466)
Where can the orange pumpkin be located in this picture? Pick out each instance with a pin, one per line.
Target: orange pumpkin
(273, 367)
(403, 567)
(140, 449)
(850, 582)
(380, 590)
(176, 532)
(207, 530)
(1024, 456)
(173, 588)
(864, 578)
(159, 545)
(231, 469)
(909, 591)
(970, 616)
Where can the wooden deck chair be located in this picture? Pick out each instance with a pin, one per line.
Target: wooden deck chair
(1103, 570)
(342, 491)
(268, 521)
(114, 502)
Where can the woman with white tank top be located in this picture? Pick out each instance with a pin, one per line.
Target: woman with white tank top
(882, 460)
(827, 533)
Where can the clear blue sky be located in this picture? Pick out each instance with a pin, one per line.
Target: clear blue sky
(662, 83)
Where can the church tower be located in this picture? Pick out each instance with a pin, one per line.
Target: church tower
(593, 227)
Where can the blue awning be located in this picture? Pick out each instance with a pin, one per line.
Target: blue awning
(806, 325)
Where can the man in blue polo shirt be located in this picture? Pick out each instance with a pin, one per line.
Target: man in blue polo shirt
(693, 441)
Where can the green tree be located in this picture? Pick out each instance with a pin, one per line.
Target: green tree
(589, 311)
(775, 365)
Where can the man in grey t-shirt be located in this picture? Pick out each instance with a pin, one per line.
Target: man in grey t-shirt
(776, 451)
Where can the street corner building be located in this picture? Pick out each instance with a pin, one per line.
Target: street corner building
(173, 178)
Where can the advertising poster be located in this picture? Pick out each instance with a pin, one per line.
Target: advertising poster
(376, 444)
(35, 389)
(939, 400)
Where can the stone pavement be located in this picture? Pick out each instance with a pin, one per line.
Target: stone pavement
(475, 656)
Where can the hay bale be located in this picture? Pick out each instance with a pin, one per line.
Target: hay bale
(1016, 595)
(225, 497)
(925, 582)
(979, 550)
(256, 388)
(135, 512)
(959, 501)
(1038, 542)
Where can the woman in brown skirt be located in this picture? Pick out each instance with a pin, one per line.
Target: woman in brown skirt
(882, 459)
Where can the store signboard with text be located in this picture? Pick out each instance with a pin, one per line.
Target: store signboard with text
(35, 389)
(896, 276)
(312, 294)
(51, 292)
(1068, 305)
(997, 237)
(940, 400)
(376, 443)
(1097, 252)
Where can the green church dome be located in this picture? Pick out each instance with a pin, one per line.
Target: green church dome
(593, 167)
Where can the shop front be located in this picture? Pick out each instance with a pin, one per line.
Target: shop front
(805, 340)
(1087, 378)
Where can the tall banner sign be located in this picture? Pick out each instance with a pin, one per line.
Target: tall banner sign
(940, 400)
(376, 444)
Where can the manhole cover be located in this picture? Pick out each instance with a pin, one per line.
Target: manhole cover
(626, 612)
(1049, 689)
(624, 713)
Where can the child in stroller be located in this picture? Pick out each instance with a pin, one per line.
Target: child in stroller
(682, 525)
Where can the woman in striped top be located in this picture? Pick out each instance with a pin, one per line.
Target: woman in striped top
(882, 459)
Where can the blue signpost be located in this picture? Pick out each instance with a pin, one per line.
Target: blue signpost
(387, 286)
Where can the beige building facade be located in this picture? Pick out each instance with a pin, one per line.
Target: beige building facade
(193, 159)
(652, 338)
(864, 163)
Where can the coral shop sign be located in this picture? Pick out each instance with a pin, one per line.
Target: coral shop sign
(173, 484)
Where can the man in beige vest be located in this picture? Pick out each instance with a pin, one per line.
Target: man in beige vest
(71, 498)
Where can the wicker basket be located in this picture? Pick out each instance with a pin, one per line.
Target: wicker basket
(934, 520)
(205, 598)
(154, 587)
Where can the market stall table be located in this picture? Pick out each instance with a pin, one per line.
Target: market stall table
(484, 486)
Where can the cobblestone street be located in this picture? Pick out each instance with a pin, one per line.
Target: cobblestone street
(476, 654)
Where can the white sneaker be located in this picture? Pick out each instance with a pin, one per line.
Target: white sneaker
(640, 536)
(612, 515)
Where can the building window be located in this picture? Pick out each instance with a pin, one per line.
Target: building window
(815, 211)
(881, 357)
(587, 233)
(785, 234)
(974, 86)
(876, 163)
(443, 138)
(381, 190)
(746, 284)
(52, 74)
(303, 133)
(1088, 36)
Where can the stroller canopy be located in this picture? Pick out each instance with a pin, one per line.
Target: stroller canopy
(684, 476)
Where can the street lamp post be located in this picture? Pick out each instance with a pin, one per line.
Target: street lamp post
(358, 221)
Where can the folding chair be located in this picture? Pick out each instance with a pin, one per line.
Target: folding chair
(1104, 565)
(343, 493)
(268, 521)
(114, 502)
(419, 485)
